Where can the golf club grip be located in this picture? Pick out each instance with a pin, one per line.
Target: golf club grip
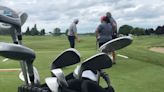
(19, 37)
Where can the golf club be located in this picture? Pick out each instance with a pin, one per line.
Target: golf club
(23, 17)
(19, 52)
(52, 84)
(66, 58)
(96, 62)
(36, 76)
(9, 16)
(60, 77)
(116, 44)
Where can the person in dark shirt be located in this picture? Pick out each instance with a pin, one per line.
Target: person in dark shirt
(104, 33)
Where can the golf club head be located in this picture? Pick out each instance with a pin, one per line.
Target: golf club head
(11, 29)
(23, 17)
(60, 77)
(66, 58)
(9, 16)
(19, 52)
(86, 74)
(36, 76)
(52, 84)
(5, 26)
(116, 44)
(96, 62)
(16, 52)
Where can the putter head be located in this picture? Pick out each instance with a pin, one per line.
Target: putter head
(60, 77)
(52, 84)
(116, 44)
(96, 62)
(68, 57)
(16, 52)
(9, 16)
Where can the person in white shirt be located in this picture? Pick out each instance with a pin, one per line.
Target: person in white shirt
(72, 33)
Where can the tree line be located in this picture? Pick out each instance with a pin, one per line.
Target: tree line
(32, 31)
(127, 29)
(124, 29)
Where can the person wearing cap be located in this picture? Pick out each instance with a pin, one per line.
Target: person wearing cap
(72, 33)
(111, 20)
(104, 33)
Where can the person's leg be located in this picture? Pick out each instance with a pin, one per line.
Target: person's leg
(71, 41)
(111, 54)
(114, 57)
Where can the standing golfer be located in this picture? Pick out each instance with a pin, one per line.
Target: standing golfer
(104, 33)
(111, 20)
(72, 33)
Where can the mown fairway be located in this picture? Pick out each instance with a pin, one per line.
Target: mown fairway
(142, 72)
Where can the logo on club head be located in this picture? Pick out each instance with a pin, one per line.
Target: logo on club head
(6, 12)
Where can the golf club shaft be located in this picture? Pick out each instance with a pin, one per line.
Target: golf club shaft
(22, 63)
(23, 68)
(105, 77)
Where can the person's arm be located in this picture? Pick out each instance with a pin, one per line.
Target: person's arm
(76, 36)
(97, 33)
(114, 24)
(75, 33)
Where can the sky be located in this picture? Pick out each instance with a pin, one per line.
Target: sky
(49, 14)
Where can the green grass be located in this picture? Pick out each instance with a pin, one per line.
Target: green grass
(142, 72)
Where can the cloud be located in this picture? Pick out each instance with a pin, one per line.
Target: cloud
(51, 14)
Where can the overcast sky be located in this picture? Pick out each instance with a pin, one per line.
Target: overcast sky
(50, 14)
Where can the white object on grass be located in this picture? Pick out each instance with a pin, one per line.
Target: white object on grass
(123, 56)
(4, 60)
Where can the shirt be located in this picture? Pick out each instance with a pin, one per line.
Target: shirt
(105, 32)
(72, 29)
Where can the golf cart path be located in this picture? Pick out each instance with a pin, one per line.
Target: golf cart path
(157, 49)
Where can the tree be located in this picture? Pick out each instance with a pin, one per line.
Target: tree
(125, 29)
(34, 30)
(159, 30)
(149, 31)
(57, 31)
(28, 31)
(42, 32)
(138, 31)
